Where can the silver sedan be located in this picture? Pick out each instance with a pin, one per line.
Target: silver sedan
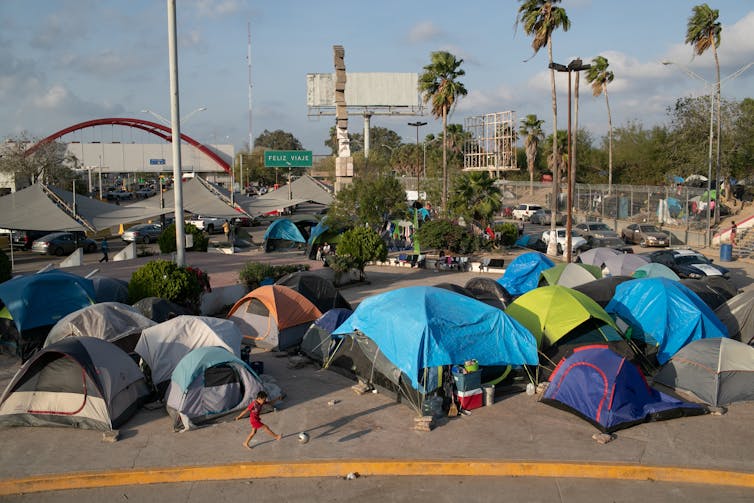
(142, 233)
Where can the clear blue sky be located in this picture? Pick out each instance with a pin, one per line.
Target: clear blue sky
(67, 61)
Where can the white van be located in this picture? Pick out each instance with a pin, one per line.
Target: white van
(525, 211)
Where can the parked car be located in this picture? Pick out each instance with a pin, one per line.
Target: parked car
(119, 195)
(525, 211)
(615, 243)
(63, 243)
(688, 263)
(577, 242)
(22, 240)
(142, 233)
(544, 217)
(145, 192)
(596, 229)
(645, 235)
(209, 224)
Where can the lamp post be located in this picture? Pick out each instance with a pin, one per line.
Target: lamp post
(712, 87)
(417, 125)
(574, 66)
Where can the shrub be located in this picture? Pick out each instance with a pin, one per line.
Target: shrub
(6, 269)
(445, 235)
(165, 279)
(253, 273)
(508, 233)
(167, 239)
(361, 245)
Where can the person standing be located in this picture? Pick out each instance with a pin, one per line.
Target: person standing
(104, 248)
(226, 230)
(733, 230)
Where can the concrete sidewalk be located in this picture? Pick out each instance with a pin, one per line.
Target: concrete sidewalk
(372, 434)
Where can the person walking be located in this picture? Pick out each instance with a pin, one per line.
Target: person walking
(104, 248)
(733, 230)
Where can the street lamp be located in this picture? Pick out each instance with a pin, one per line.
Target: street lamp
(167, 122)
(574, 66)
(713, 86)
(417, 125)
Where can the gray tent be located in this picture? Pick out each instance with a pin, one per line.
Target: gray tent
(159, 310)
(81, 382)
(118, 323)
(162, 346)
(714, 371)
(738, 315)
(208, 384)
(107, 289)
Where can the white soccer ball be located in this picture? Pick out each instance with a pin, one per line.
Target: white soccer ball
(303, 437)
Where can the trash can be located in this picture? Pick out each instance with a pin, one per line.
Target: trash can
(726, 252)
(489, 394)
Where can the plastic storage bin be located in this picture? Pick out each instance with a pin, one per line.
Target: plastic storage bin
(469, 381)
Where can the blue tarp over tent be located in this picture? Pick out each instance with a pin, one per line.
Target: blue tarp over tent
(283, 228)
(522, 275)
(665, 313)
(317, 231)
(333, 318)
(422, 326)
(42, 299)
(609, 391)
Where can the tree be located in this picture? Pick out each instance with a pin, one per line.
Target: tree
(439, 85)
(531, 130)
(368, 201)
(278, 140)
(362, 245)
(599, 77)
(702, 32)
(29, 161)
(540, 18)
(475, 196)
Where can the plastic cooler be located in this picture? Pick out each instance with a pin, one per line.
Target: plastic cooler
(469, 381)
(472, 399)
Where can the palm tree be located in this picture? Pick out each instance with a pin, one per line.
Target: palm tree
(599, 77)
(539, 19)
(476, 196)
(531, 130)
(439, 85)
(702, 32)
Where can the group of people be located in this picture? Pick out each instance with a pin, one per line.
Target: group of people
(323, 251)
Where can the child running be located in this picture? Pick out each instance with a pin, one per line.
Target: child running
(254, 409)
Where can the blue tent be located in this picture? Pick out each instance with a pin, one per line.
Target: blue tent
(423, 327)
(42, 299)
(333, 318)
(609, 391)
(664, 313)
(316, 231)
(318, 341)
(522, 275)
(284, 229)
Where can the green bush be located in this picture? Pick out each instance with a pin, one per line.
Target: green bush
(508, 233)
(445, 235)
(165, 279)
(253, 273)
(6, 269)
(167, 239)
(361, 245)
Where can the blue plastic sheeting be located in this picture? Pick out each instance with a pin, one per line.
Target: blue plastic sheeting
(333, 318)
(609, 391)
(422, 326)
(283, 228)
(317, 231)
(665, 313)
(522, 275)
(42, 299)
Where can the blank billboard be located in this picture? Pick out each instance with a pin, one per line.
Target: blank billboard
(365, 90)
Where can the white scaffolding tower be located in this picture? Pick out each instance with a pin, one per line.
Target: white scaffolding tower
(491, 143)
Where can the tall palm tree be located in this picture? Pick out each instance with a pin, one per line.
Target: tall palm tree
(539, 19)
(702, 32)
(476, 196)
(531, 130)
(599, 77)
(439, 85)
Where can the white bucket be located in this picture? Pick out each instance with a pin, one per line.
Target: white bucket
(489, 394)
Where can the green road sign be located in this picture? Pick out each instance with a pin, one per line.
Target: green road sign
(287, 158)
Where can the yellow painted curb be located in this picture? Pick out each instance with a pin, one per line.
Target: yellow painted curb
(386, 467)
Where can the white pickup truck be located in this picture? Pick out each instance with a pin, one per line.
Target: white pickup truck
(209, 224)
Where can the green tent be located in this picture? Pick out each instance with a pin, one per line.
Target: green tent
(558, 315)
(569, 275)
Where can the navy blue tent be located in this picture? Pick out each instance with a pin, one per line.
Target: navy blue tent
(522, 275)
(318, 341)
(664, 314)
(610, 392)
